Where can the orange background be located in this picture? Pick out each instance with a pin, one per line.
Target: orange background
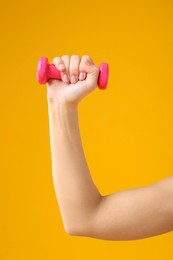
(126, 130)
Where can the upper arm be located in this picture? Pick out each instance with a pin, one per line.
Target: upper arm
(134, 214)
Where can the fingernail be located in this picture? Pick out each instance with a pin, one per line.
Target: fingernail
(81, 75)
(61, 66)
(65, 78)
(73, 79)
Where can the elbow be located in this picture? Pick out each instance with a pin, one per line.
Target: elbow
(70, 231)
(84, 225)
(74, 231)
(79, 229)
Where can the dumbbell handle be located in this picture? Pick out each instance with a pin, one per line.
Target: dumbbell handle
(53, 72)
(46, 71)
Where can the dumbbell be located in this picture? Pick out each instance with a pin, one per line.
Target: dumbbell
(46, 71)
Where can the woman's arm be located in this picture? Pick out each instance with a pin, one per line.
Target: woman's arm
(76, 193)
(129, 214)
(124, 215)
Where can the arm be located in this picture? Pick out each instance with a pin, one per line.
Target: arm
(75, 191)
(129, 214)
(125, 215)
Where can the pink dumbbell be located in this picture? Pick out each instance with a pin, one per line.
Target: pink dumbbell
(47, 71)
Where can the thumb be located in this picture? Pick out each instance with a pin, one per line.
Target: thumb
(92, 71)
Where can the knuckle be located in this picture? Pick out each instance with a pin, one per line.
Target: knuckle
(65, 56)
(86, 56)
(75, 57)
(56, 60)
(66, 60)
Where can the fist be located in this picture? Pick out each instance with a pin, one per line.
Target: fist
(79, 77)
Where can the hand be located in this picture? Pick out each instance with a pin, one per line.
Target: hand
(79, 78)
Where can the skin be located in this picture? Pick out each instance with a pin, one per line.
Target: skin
(125, 215)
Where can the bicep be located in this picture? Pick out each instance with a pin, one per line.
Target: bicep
(135, 214)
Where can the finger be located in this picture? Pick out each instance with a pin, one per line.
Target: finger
(74, 68)
(59, 64)
(82, 75)
(87, 64)
(85, 61)
(57, 61)
(65, 74)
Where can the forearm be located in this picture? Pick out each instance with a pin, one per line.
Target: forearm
(76, 193)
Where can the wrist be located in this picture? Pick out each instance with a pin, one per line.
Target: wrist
(58, 107)
(65, 116)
